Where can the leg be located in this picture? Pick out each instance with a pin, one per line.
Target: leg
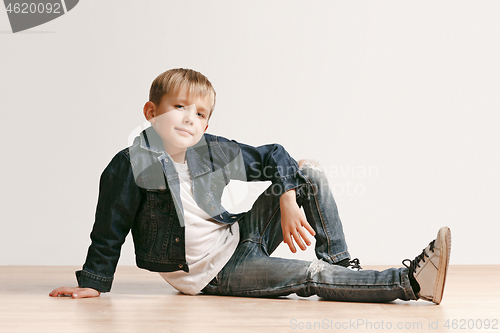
(321, 211)
(252, 273)
(262, 224)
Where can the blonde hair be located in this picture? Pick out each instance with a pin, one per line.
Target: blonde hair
(175, 79)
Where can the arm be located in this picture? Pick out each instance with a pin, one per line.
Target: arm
(263, 163)
(117, 205)
(118, 202)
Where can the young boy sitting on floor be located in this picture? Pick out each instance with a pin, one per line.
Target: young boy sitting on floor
(167, 188)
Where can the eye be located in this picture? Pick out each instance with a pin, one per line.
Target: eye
(179, 107)
(199, 114)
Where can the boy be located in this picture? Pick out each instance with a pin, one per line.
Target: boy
(167, 189)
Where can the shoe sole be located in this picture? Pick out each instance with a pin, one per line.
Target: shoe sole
(444, 235)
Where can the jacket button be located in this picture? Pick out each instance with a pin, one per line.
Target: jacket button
(177, 239)
(213, 207)
(162, 188)
(181, 265)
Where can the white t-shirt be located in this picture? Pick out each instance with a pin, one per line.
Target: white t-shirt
(209, 244)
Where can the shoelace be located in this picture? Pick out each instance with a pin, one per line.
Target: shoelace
(421, 257)
(354, 264)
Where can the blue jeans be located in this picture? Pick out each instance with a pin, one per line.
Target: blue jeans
(252, 272)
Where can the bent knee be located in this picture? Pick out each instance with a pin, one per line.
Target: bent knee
(311, 168)
(309, 164)
(315, 174)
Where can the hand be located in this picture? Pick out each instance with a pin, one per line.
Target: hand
(294, 223)
(75, 292)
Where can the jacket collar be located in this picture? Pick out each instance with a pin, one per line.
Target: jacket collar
(151, 141)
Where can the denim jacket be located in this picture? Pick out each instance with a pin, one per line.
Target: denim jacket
(139, 191)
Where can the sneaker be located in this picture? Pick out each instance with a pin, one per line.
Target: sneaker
(427, 272)
(354, 265)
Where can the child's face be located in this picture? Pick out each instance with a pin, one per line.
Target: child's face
(180, 119)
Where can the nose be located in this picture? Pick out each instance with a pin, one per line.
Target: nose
(189, 114)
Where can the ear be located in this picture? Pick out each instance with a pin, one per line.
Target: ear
(149, 111)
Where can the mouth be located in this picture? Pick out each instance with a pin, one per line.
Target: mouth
(183, 131)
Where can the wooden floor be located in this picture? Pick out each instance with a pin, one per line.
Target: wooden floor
(141, 301)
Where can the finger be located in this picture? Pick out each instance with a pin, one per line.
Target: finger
(53, 293)
(291, 245)
(62, 291)
(306, 225)
(58, 291)
(288, 241)
(304, 236)
(286, 237)
(79, 294)
(298, 240)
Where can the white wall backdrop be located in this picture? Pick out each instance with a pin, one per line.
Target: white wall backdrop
(399, 101)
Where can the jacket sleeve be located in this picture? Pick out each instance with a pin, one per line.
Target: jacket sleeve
(119, 199)
(264, 163)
